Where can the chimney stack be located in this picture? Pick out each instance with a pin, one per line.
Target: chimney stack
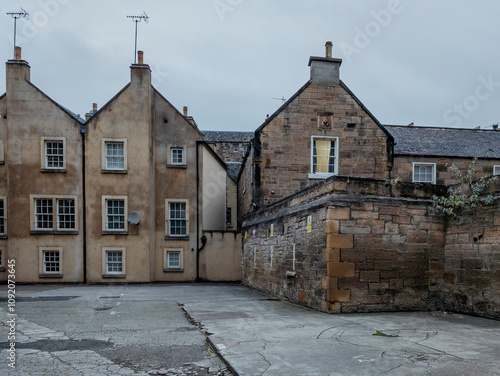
(18, 53)
(495, 127)
(329, 46)
(412, 124)
(185, 110)
(94, 107)
(140, 57)
(325, 70)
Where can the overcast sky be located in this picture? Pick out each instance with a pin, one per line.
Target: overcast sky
(434, 63)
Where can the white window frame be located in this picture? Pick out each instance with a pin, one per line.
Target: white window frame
(105, 251)
(236, 148)
(166, 265)
(167, 217)
(41, 260)
(105, 200)
(496, 170)
(55, 213)
(43, 144)
(323, 175)
(183, 156)
(104, 160)
(433, 165)
(3, 218)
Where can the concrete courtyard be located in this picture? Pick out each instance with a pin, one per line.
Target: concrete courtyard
(167, 329)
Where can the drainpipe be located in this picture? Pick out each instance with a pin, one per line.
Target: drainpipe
(197, 211)
(83, 131)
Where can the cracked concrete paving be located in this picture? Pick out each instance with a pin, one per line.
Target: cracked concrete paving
(114, 330)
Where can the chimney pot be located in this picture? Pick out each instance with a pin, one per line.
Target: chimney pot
(18, 53)
(140, 57)
(329, 47)
(185, 110)
(412, 124)
(94, 106)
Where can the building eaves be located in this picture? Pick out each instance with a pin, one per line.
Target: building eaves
(445, 142)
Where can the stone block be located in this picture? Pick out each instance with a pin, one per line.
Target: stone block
(390, 210)
(417, 236)
(340, 269)
(338, 213)
(338, 296)
(339, 241)
(331, 255)
(331, 226)
(364, 214)
(369, 276)
(329, 283)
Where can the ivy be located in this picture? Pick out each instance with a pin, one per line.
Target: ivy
(470, 193)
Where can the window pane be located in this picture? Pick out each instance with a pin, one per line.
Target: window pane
(2, 217)
(177, 156)
(115, 215)
(54, 154)
(323, 156)
(51, 262)
(178, 220)
(174, 259)
(114, 262)
(115, 157)
(423, 173)
(66, 214)
(44, 214)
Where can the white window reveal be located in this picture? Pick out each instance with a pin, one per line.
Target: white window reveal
(496, 170)
(177, 155)
(324, 157)
(424, 173)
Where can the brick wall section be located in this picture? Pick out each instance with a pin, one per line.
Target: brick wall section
(403, 167)
(472, 268)
(365, 251)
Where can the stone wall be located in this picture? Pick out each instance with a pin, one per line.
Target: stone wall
(363, 251)
(472, 267)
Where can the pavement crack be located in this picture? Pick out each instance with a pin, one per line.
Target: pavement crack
(325, 330)
(267, 360)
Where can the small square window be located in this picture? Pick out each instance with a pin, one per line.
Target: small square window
(114, 262)
(51, 262)
(172, 261)
(496, 170)
(53, 153)
(235, 148)
(424, 173)
(177, 155)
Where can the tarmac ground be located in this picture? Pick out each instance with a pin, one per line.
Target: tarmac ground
(165, 329)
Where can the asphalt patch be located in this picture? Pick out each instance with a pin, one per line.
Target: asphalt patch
(51, 345)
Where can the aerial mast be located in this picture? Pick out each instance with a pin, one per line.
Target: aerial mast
(15, 16)
(138, 19)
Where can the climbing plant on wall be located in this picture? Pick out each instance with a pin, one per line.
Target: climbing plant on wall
(470, 193)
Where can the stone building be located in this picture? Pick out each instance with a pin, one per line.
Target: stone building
(230, 146)
(132, 194)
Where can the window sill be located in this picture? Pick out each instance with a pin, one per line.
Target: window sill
(176, 166)
(53, 170)
(4, 236)
(51, 232)
(114, 233)
(173, 270)
(320, 176)
(113, 171)
(113, 276)
(176, 237)
(48, 275)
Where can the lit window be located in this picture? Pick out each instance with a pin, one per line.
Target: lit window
(115, 156)
(51, 262)
(114, 262)
(115, 215)
(46, 219)
(54, 154)
(424, 173)
(323, 157)
(2, 216)
(177, 155)
(235, 148)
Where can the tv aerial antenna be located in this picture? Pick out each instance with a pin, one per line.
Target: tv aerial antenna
(281, 99)
(16, 16)
(138, 19)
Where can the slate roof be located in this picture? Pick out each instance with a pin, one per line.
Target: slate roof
(224, 136)
(445, 142)
(233, 170)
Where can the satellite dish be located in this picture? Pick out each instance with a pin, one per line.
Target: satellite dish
(134, 218)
